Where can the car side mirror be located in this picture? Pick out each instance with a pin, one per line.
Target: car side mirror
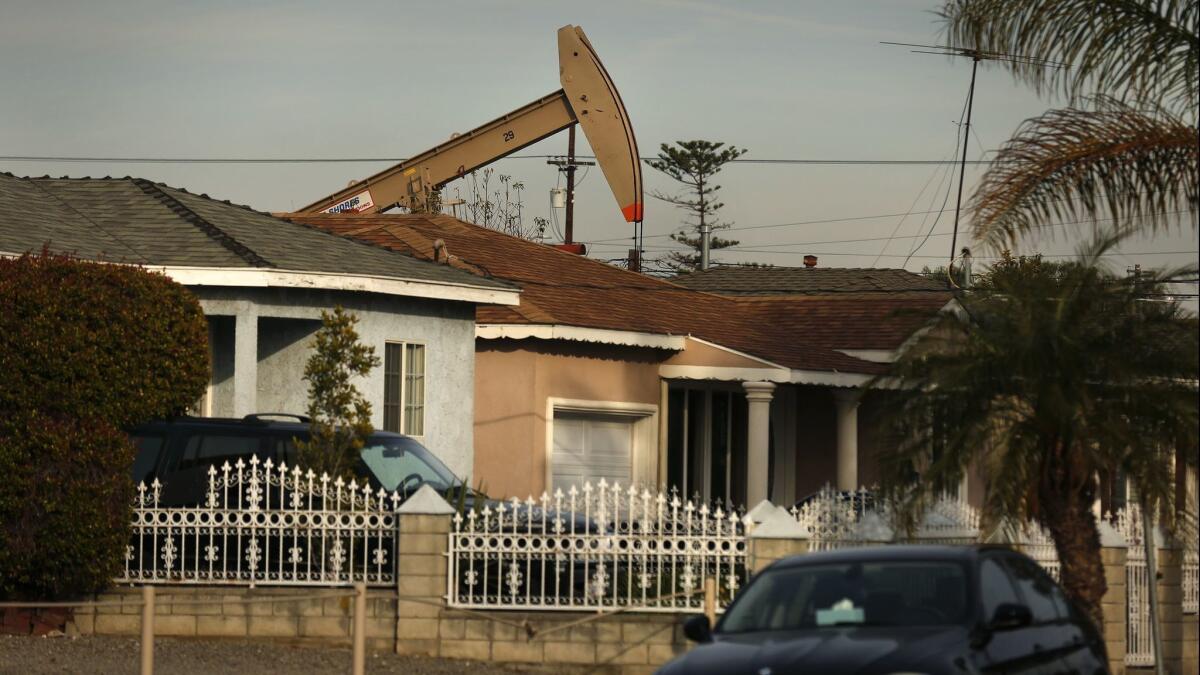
(698, 629)
(1010, 615)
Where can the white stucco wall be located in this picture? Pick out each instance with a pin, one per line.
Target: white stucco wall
(285, 320)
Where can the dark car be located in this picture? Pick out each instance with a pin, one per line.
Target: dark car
(897, 609)
(179, 453)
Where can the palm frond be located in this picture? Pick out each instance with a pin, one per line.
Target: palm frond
(1140, 50)
(1074, 164)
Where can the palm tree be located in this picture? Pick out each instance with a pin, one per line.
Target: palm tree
(1126, 147)
(1048, 375)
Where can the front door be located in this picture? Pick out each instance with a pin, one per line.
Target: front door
(706, 442)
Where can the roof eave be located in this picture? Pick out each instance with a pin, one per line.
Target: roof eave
(624, 338)
(333, 281)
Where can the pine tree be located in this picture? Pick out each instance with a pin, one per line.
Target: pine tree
(340, 415)
(694, 164)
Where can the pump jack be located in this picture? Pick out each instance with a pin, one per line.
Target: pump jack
(588, 98)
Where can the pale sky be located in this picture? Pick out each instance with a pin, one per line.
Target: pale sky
(785, 80)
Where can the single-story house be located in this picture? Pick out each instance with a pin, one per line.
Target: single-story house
(604, 373)
(263, 283)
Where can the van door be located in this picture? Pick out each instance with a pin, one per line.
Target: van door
(195, 452)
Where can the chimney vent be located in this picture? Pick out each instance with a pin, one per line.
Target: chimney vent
(810, 261)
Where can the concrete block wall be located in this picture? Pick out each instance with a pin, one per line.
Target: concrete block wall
(622, 643)
(1114, 606)
(1170, 608)
(216, 612)
(1190, 662)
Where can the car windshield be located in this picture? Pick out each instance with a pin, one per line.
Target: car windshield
(876, 593)
(403, 464)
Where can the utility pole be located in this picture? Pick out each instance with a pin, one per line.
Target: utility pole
(705, 231)
(962, 168)
(568, 167)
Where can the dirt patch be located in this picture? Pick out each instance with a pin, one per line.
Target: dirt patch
(119, 655)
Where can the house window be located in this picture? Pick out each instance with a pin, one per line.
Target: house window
(404, 388)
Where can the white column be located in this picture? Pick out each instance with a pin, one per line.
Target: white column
(846, 401)
(245, 364)
(758, 434)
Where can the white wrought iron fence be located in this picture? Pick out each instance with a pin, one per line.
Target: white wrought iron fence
(832, 517)
(262, 524)
(1139, 641)
(600, 547)
(1037, 544)
(844, 519)
(1189, 527)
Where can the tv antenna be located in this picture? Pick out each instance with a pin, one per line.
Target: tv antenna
(976, 55)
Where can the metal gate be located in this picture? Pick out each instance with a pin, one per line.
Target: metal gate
(1139, 640)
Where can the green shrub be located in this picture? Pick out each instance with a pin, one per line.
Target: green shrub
(85, 339)
(65, 505)
(87, 350)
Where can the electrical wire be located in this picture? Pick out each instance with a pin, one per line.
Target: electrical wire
(959, 141)
(912, 206)
(75, 159)
(819, 242)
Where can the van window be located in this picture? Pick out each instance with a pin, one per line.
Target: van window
(213, 449)
(149, 448)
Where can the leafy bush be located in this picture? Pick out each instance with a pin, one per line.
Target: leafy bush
(87, 350)
(85, 339)
(64, 505)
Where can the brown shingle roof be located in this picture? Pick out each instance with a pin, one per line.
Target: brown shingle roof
(807, 280)
(567, 289)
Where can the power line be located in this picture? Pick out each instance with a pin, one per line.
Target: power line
(758, 247)
(992, 257)
(79, 159)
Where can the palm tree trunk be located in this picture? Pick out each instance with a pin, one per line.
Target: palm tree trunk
(1072, 525)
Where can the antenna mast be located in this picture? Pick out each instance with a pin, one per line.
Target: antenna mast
(976, 55)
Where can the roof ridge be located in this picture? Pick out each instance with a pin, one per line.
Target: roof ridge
(215, 233)
(489, 231)
(297, 219)
(83, 215)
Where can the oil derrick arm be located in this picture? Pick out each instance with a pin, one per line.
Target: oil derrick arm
(588, 97)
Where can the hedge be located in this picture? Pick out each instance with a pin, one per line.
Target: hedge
(86, 339)
(87, 351)
(65, 505)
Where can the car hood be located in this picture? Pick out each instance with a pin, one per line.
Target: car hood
(864, 650)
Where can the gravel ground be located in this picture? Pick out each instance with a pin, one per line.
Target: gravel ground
(98, 654)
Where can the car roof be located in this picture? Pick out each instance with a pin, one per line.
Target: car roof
(247, 423)
(885, 553)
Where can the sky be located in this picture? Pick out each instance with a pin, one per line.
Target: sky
(793, 79)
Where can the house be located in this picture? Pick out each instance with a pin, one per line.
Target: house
(604, 373)
(263, 283)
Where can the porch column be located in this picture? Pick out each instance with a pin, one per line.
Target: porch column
(245, 363)
(758, 433)
(846, 401)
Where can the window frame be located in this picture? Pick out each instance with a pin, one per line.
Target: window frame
(402, 426)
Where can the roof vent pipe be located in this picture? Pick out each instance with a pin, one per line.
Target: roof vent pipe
(810, 261)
